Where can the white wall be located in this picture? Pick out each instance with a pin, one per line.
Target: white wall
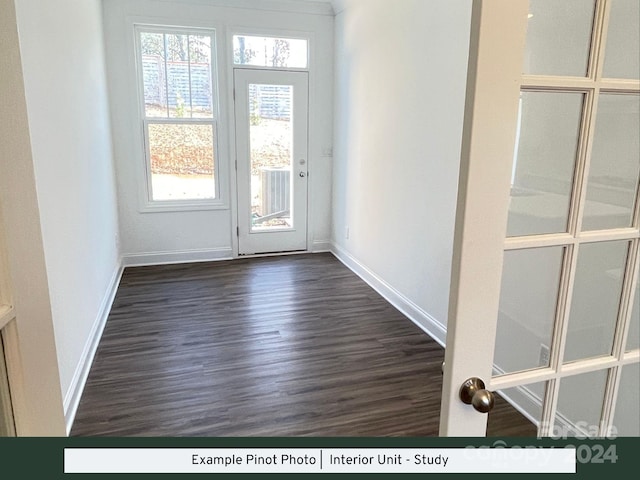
(30, 345)
(400, 92)
(65, 84)
(210, 234)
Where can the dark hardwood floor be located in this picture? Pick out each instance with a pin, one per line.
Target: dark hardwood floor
(280, 346)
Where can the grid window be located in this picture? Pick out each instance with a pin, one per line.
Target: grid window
(177, 79)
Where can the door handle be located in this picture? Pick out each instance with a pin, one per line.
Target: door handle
(473, 392)
(303, 174)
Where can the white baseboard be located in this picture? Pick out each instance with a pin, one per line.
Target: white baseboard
(413, 312)
(185, 256)
(74, 393)
(321, 246)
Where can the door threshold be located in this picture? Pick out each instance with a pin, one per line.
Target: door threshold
(273, 254)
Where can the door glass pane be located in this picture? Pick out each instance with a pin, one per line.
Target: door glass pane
(615, 163)
(544, 163)
(559, 37)
(633, 337)
(505, 420)
(528, 300)
(182, 161)
(596, 299)
(271, 141)
(622, 57)
(580, 401)
(627, 416)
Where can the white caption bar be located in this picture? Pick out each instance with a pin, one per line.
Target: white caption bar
(293, 460)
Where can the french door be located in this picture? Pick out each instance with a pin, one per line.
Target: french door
(271, 109)
(7, 426)
(544, 294)
(7, 316)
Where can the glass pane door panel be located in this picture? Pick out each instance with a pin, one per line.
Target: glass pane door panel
(615, 164)
(506, 421)
(596, 299)
(580, 418)
(271, 140)
(544, 163)
(559, 37)
(633, 337)
(622, 56)
(627, 416)
(528, 301)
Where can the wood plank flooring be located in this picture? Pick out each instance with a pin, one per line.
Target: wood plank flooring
(280, 346)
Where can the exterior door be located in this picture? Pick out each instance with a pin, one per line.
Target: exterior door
(271, 110)
(544, 294)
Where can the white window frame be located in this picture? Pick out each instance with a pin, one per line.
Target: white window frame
(148, 203)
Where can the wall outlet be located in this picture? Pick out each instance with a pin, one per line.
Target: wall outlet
(346, 233)
(544, 356)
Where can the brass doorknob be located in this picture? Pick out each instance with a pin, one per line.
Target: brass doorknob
(473, 392)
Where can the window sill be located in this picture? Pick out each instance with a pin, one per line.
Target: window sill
(183, 206)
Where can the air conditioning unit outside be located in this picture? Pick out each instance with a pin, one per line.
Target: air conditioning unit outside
(276, 191)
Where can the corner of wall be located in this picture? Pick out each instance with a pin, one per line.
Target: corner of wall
(426, 322)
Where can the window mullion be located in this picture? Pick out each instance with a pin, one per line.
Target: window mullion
(178, 121)
(559, 337)
(600, 30)
(626, 300)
